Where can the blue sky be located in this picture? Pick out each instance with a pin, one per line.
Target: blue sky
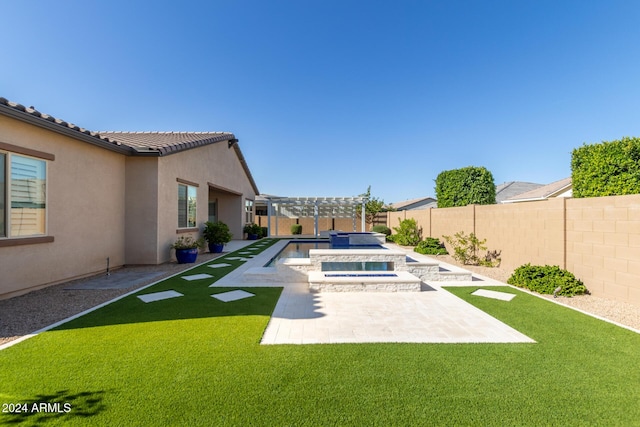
(329, 97)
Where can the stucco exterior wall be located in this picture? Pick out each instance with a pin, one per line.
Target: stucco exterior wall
(141, 198)
(215, 163)
(85, 212)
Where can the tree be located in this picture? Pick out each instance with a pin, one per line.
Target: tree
(606, 169)
(465, 186)
(372, 207)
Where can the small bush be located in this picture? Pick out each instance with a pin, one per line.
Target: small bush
(431, 246)
(466, 250)
(296, 228)
(407, 234)
(264, 231)
(545, 279)
(381, 229)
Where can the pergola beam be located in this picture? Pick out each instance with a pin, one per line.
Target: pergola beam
(337, 207)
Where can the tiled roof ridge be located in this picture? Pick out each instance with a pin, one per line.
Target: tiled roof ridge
(155, 132)
(32, 111)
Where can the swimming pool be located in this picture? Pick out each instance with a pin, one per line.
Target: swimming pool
(301, 248)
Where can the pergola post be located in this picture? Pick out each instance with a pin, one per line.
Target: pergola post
(362, 216)
(316, 212)
(268, 217)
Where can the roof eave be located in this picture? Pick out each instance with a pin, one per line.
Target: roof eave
(75, 133)
(245, 166)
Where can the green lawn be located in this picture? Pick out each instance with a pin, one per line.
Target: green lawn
(197, 361)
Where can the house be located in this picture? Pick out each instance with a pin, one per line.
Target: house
(509, 189)
(73, 201)
(415, 204)
(560, 188)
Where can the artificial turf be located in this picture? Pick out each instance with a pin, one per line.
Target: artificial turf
(202, 364)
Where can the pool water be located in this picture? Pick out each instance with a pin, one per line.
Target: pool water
(300, 249)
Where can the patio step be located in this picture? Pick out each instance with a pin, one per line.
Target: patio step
(363, 281)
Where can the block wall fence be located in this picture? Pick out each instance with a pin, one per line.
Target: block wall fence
(597, 239)
(324, 224)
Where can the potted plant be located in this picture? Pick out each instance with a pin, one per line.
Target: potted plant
(252, 230)
(216, 234)
(187, 249)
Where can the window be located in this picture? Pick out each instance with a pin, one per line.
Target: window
(248, 211)
(3, 228)
(23, 189)
(187, 195)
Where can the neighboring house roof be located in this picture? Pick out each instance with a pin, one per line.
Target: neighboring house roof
(419, 203)
(509, 189)
(153, 144)
(558, 188)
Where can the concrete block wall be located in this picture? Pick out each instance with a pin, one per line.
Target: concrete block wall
(597, 239)
(324, 224)
(603, 245)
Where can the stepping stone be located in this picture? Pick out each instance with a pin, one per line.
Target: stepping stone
(237, 258)
(244, 253)
(159, 296)
(232, 295)
(251, 249)
(219, 265)
(493, 294)
(197, 277)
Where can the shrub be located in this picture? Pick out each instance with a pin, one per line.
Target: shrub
(606, 169)
(216, 232)
(465, 186)
(431, 246)
(296, 228)
(381, 229)
(466, 250)
(407, 233)
(264, 231)
(545, 279)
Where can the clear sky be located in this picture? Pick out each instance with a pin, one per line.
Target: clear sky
(328, 97)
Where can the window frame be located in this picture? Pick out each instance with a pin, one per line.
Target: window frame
(188, 186)
(248, 211)
(9, 151)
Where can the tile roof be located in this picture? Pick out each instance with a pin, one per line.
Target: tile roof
(132, 143)
(166, 142)
(128, 143)
(19, 111)
(543, 192)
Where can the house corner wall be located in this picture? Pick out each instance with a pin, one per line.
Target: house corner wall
(141, 221)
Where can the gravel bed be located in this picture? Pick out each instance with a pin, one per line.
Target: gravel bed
(35, 310)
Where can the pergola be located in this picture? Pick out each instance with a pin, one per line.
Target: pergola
(317, 207)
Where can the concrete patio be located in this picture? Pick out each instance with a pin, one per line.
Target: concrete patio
(431, 316)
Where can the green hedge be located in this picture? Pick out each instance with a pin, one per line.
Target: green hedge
(296, 229)
(465, 186)
(545, 279)
(606, 169)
